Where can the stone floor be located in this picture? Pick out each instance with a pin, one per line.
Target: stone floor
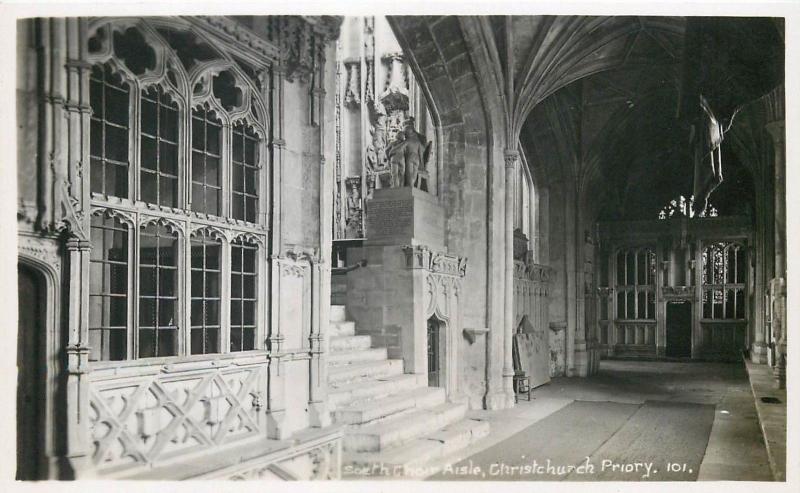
(771, 415)
(735, 449)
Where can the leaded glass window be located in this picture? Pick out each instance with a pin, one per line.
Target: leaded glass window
(109, 145)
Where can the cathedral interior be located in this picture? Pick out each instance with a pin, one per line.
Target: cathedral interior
(415, 247)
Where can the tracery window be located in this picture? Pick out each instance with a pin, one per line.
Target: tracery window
(724, 269)
(108, 293)
(158, 291)
(206, 294)
(635, 286)
(244, 286)
(245, 173)
(178, 181)
(159, 148)
(206, 157)
(110, 102)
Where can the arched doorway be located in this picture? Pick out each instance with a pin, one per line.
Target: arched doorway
(31, 373)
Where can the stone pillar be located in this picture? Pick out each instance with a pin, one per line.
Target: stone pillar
(278, 156)
(777, 130)
(77, 351)
(778, 285)
(570, 279)
(319, 414)
(759, 349)
(511, 160)
(276, 396)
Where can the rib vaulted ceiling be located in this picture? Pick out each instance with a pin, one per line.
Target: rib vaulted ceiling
(597, 102)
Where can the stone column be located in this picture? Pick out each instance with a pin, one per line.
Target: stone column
(778, 132)
(778, 285)
(319, 414)
(77, 351)
(321, 270)
(759, 349)
(511, 160)
(278, 145)
(276, 395)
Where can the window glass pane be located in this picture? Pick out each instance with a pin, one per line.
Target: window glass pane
(718, 299)
(169, 122)
(621, 304)
(706, 304)
(212, 171)
(729, 304)
(213, 137)
(251, 181)
(147, 343)
(108, 289)
(168, 158)
(248, 338)
(630, 268)
(117, 180)
(251, 206)
(730, 265)
(149, 117)
(117, 144)
(149, 187)
(641, 300)
(642, 267)
(167, 342)
(168, 191)
(631, 305)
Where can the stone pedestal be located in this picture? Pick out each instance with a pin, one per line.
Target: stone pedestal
(404, 216)
(408, 279)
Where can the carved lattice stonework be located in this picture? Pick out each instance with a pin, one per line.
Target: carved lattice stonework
(140, 420)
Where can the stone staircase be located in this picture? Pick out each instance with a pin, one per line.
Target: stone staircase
(394, 421)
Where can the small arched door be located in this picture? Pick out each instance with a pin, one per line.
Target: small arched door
(30, 373)
(435, 352)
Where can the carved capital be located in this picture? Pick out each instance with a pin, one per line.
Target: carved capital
(511, 157)
(422, 257)
(390, 57)
(77, 359)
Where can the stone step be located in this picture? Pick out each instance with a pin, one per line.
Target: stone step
(339, 329)
(370, 410)
(369, 369)
(345, 358)
(345, 393)
(406, 427)
(338, 313)
(423, 451)
(349, 343)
